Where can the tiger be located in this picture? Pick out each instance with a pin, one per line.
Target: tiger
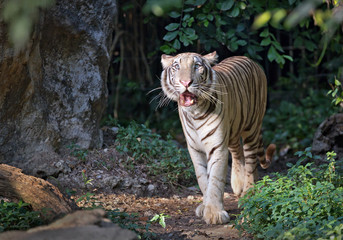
(221, 108)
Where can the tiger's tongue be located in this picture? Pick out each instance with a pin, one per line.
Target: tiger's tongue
(187, 99)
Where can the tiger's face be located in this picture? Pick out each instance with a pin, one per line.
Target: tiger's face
(187, 77)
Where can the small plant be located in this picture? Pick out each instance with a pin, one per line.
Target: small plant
(85, 179)
(162, 158)
(18, 216)
(336, 92)
(130, 222)
(304, 204)
(78, 152)
(160, 218)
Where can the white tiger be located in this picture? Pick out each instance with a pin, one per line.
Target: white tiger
(219, 107)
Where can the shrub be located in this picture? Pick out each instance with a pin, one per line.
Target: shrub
(294, 123)
(17, 216)
(162, 158)
(304, 204)
(131, 221)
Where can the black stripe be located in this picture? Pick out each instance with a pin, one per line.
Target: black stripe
(216, 147)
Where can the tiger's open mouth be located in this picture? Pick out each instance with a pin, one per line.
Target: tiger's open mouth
(188, 99)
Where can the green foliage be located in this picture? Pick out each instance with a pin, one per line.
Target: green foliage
(17, 216)
(123, 219)
(294, 123)
(162, 158)
(20, 15)
(304, 204)
(222, 23)
(160, 218)
(337, 92)
(131, 222)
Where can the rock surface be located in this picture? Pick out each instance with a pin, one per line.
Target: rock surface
(80, 225)
(53, 92)
(329, 137)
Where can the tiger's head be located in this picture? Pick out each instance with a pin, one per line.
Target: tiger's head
(187, 78)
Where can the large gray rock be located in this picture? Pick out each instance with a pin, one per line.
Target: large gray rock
(80, 225)
(53, 93)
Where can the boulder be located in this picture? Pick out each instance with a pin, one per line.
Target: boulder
(53, 92)
(329, 137)
(80, 225)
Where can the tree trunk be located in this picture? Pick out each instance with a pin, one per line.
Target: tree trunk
(42, 195)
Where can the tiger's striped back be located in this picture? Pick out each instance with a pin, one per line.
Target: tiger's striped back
(246, 85)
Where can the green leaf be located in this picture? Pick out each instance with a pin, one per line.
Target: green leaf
(201, 16)
(288, 57)
(231, 33)
(206, 22)
(188, 10)
(155, 218)
(338, 100)
(174, 14)
(235, 12)
(334, 93)
(162, 222)
(170, 36)
(167, 50)
(272, 53)
(176, 44)
(266, 42)
(241, 42)
(172, 26)
(226, 5)
(264, 33)
(189, 31)
(337, 82)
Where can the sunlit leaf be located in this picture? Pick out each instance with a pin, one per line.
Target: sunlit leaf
(261, 20)
(337, 82)
(278, 16)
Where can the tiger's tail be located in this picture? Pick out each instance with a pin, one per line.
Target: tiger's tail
(266, 159)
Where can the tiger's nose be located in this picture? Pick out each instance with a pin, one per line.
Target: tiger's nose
(186, 83)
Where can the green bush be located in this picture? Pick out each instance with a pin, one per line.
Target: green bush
(304, 204)
(162, 158)
(294, 123)
(131, 222)
(17, 216)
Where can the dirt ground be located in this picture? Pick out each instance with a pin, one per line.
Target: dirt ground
(116, 185)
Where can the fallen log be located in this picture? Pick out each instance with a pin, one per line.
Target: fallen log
(40, 194)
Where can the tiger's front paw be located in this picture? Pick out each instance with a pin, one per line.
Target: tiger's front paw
(214, 215)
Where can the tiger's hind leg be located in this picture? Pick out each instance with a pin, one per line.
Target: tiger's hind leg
(253, 149)
(237, 170)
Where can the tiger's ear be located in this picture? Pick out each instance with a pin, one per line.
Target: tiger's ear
(166, 60)
(211, 57)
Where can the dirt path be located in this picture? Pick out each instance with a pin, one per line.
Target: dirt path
(182, 224)
(117, 185)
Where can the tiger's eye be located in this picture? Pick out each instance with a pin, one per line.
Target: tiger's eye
(176, 66)
(197, 65)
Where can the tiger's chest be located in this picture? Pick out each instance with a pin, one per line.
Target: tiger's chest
(204, 128)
